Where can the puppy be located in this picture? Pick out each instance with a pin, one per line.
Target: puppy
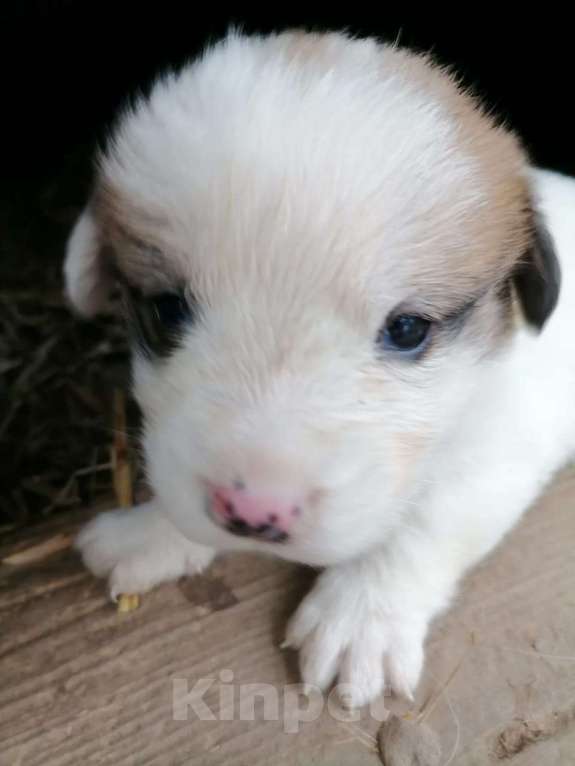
(342, 280)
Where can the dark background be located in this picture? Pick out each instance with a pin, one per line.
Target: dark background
(69, 65)
(66, 67)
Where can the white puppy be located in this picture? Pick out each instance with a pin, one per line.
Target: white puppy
(349, 349)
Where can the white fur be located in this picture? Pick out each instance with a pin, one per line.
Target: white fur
(279, 383)
(140, 552)
(86, 288)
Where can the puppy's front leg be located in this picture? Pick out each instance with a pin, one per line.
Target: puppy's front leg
(365, 622)
(138, 548)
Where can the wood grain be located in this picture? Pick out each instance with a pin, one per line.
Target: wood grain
(82, 684)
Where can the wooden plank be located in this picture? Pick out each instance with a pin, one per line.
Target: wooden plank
(81, 684)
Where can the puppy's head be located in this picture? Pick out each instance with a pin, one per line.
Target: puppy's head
(321, 244)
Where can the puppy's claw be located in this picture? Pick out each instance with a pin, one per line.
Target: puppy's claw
(364, 646)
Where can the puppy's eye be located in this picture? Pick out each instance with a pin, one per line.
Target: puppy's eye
(404, 332)
(171, 310)
(159, 320)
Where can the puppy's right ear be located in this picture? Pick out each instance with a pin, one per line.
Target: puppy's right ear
(538, 276)
(87, 273)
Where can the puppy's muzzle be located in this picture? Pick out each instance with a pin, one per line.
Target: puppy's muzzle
(247, 514)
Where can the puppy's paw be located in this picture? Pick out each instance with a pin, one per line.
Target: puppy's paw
(137, 549)
(357, 634)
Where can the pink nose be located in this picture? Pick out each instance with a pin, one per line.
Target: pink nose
(252, 515)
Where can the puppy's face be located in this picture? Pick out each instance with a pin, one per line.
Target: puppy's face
(319, 242)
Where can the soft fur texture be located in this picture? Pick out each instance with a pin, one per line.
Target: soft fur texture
(303, 188)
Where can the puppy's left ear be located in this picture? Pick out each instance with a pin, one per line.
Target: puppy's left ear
(537, 277)
(87, 274)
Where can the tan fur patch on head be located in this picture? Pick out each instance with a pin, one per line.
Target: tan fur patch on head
(444, 243)
(493, 233)
(307, 47)
(501, 228)
(501, 161)
(129, 233)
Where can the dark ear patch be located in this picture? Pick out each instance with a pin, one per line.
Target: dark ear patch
(537, 277)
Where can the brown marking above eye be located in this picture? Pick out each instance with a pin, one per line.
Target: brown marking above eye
(444, 308)
(144, 265)
(133, 240)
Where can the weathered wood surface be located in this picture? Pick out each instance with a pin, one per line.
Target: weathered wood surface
(83, 685)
